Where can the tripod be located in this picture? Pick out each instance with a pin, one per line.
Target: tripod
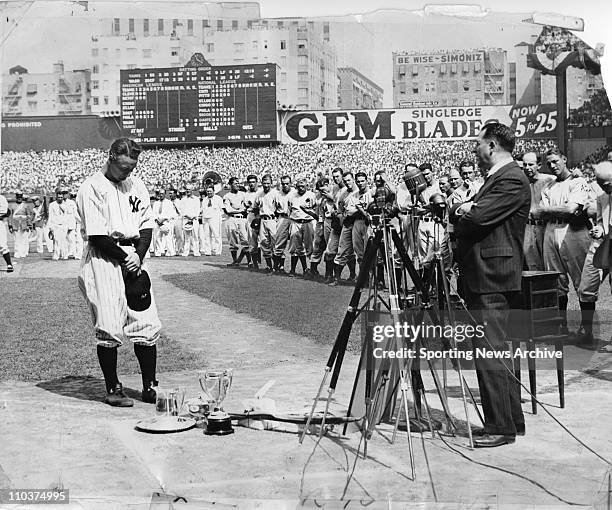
(381, 385)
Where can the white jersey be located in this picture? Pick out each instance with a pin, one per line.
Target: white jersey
(58, 215)
(106, 207)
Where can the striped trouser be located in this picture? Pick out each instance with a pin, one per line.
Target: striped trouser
(101, 282)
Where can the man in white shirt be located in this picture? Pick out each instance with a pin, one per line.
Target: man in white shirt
(212, 210)
(234, 205)
(75, 239)
(265, 204)
(164, 216)
(60, 219)
(190, 211)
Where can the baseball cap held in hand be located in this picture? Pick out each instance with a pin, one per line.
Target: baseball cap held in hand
(138, 291)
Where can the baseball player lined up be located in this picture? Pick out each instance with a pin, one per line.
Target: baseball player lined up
(301, 232)
(265, 204)
(283, 224)
(566, 239)
(117, 221)
(4, 250)
(235, 206)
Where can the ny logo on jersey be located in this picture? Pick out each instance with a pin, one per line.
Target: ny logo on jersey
(135, 203)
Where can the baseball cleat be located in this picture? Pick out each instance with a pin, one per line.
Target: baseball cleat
(10, 268)
(149, 395)
(117, 398)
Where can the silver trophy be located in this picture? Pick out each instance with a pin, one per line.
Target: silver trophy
(215, 384)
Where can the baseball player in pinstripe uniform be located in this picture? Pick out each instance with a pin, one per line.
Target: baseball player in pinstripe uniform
(235, 207)
(331, 249)
(252, 234)
(4, 251)
(346, 254)
(265, 205)
(566, 239)
(117, 223)
(283, 225)
(358, 205)
(324, 208)
(302, 231)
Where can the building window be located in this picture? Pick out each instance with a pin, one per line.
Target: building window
(283, 60)
(255, 44)
(205, 23)
(219, 24)
(160, 27)
(476, 67)
(303, 93)
(302, 44)
(95, 84)
(118, 101)
(174, 52)
(443, 87)
(210, 47)
(250, 23)
(303, 60)
(146, 53)
(94, 52)
(443, 69)
(131, 66)
(415, 70)
(105, 85)
(131, 25)
(116, 26)
(478, 85)
(402, 70)
(174, 24)
(454, 68)
(283, 77)
(466, 85)
(189, 27)
(106, 100)
(145, 27)
(117, 53)
(95, 69)
(234, 24)
(454, 86)
(238, 47)
(96, 101)
(280, 24)
(466, 68)
(415, 88)
(32, 105)
(283, 45)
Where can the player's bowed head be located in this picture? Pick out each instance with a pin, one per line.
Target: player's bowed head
(122, 159)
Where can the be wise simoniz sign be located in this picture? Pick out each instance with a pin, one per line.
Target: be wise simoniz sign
(440, 123)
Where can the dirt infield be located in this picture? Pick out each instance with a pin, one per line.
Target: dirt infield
(58, 432)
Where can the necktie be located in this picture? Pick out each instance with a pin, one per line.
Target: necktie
(209, 202)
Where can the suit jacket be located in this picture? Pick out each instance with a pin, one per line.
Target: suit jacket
(490, 236)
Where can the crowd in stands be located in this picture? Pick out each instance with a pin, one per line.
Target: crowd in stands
(43, 172)
(554, 39)
(595, 112)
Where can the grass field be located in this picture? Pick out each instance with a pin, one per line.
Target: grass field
(304, 307)
(47, 333)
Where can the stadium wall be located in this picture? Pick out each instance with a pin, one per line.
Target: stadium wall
(21, 134)
(579, 149)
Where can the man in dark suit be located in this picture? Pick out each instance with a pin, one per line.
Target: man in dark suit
(490, 231)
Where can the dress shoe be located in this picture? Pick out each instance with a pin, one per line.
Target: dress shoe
(491, 441)
(480, 432)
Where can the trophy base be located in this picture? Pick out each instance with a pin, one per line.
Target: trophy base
(219, 425)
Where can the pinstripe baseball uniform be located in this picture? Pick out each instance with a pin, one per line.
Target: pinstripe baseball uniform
(234, 204)
(112, 209)
(266, 203)
(301, 230)
(283, 225)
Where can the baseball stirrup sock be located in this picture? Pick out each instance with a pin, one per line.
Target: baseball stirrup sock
(587, 310)
(351, 266)
(107, 356)
(7, 257)
(269, 262)
(338, 271)
(329, 269)
(234, 255)
(303, 262)
(294, 261)
(147, 358)
(314, 267)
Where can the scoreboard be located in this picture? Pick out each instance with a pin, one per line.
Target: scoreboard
(200, 104)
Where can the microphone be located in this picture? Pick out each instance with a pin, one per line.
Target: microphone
(414, 180)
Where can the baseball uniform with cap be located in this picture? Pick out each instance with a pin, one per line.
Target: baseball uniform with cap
(212, 211)
(118, 210)
(265, 203)
(39, 224)
(165, 214)
(75, 241)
